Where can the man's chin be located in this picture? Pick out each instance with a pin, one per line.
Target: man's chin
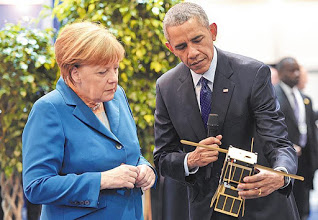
(199, 70)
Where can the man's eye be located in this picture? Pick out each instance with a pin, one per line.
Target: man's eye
(181, 47)
(197, 40)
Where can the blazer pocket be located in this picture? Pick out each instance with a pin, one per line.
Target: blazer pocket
(76, 212)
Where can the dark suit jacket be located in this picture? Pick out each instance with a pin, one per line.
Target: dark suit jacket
(308, 159)
(247, 109)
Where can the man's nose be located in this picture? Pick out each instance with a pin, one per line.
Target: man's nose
(297, 73)
(193, 52)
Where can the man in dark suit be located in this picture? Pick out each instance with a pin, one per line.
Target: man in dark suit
(239, 90)
(299, 117)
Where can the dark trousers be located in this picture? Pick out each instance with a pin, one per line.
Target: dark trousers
(1, 211)
(33, 211)
(301, 193)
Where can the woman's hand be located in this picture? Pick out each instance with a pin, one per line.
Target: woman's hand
(119, 177)
(146, 177)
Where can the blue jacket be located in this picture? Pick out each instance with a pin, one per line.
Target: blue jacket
(65, 149)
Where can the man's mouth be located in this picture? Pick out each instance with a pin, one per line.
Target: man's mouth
(196, 62)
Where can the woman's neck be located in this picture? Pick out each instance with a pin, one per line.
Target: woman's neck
(94, 106)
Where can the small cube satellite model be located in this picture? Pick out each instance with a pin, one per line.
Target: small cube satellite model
(238, 164)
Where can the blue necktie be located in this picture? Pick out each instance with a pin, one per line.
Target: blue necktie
(205, 100)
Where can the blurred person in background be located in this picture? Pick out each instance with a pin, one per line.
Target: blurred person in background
(299, 117)
(274, 75)
(303, 78)
(81, 154)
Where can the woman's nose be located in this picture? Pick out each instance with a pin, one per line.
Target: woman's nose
(113, 78)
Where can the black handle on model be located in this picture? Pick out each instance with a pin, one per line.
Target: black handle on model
(212, 126)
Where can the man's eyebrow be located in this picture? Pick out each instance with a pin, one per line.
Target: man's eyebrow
(196, 38)
(185, 44)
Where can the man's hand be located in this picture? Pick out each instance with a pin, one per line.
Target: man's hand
(260, 184)
(201, 157)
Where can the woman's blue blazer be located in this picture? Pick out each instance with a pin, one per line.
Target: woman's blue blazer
(65, 149)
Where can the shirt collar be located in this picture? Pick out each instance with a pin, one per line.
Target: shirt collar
(287, 89)
(209, 75)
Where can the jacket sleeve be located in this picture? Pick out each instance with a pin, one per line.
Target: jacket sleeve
(270, 124)
(43, 152)
(168, 153)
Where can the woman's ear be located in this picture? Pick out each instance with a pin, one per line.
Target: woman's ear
(75, 75)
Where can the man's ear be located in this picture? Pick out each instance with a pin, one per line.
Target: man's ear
(214, 30)
(169, 46)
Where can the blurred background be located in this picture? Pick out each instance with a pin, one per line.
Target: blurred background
(267, 30)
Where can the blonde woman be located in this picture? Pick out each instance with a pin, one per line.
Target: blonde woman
(81, 155)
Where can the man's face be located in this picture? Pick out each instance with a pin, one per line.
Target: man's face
(193, 44)
(290, 73)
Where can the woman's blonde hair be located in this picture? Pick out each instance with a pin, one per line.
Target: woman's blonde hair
(85, 43)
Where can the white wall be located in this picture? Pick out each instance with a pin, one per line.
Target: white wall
(269, 30)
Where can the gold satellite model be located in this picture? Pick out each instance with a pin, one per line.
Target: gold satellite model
(238, 164)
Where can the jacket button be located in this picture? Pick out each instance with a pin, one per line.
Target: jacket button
(118, 146)
(81, 202)
(87, 202)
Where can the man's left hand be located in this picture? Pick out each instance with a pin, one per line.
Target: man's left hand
(260, 184)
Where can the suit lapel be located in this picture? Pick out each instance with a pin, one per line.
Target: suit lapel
(189, 104)
(82, 111)
(112, 110)
(286, 105)
(223, 88)
(306, 102)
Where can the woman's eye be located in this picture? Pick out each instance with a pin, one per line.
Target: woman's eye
(102, 73)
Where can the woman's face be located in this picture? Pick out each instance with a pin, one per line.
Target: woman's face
(96, 83)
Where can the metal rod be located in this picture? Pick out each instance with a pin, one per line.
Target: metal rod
(204, 146)
(280, 172)
(255, 165)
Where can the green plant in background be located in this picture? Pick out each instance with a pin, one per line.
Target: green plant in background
(27, 71)
(138, 25)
